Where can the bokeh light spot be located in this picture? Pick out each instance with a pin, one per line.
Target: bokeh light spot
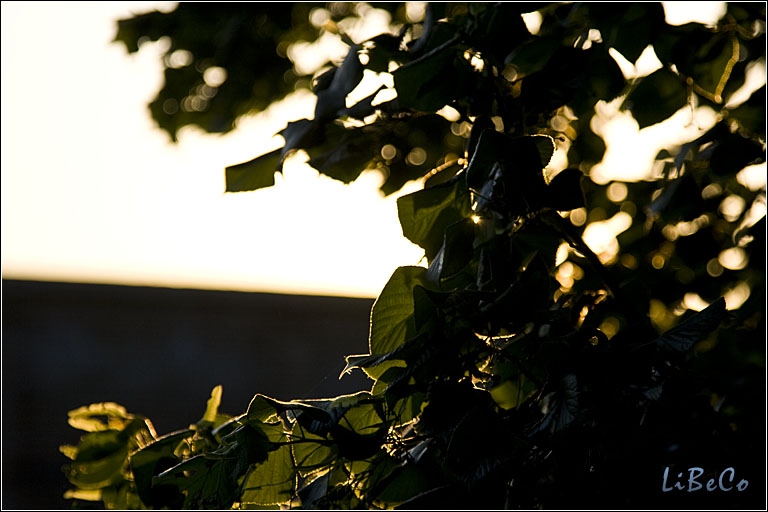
(732, 207)
(734, 258)
(616, 192)
(736, 296)
(170, 106)
(180, 59)
(416, 157)
(214, 76)
(714, 268)
(578, 217)
(388, 152)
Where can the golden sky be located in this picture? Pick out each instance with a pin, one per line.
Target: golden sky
(92, 191)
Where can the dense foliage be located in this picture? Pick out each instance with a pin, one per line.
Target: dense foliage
(520, 368)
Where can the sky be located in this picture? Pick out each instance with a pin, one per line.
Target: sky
(93, 191)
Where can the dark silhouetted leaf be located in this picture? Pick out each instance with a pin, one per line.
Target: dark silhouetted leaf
(433, 80)
(533, 55)
(692, 330)
(751, 113)
(734, 152)
(656, 97)
(564, 191)
(254, 174)
(628, 27)
(331, 99)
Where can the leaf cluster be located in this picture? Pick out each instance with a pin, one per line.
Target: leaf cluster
(520, 367)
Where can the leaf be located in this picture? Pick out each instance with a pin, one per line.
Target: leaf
(455, 253)
(751, 113)
(407, 483)
(264, 409)
(564, 191)
(706, 57)
(210, 480)
(300, 134)
(500, 28)
(433, 80)
(99, 460)
(83, 494)
(424, 215)
(310, 457)
(629, 27)
(680, 199)
(371, 360)
(272, 482)
(197, 478)
(488, 151)
(561, 406)
(332, 99)
(478, 127)
(734, 152)
(533, 55)
(254, 174)
(694, 329)
(362, 108)
(345, 161)
(392, 319)
(152, 460)
(569, 402)
(656, 97)
(512, 393)
(545, 146)
(88, 417)
(213, 404)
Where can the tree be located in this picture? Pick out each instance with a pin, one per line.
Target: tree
(520, 368)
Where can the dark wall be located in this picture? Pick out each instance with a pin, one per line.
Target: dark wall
(158, 352)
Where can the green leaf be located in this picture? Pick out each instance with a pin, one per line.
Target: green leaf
(424, 215)
(392, 319)
(213, 404)
(656, 97)
(262, 408)
(197, 478)
(311, 452)
(98, 417)
(99, 461)
(152, 460)
(254, 174)
(512, 393)
(694, 329)
(273, 481)
(211, 480)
